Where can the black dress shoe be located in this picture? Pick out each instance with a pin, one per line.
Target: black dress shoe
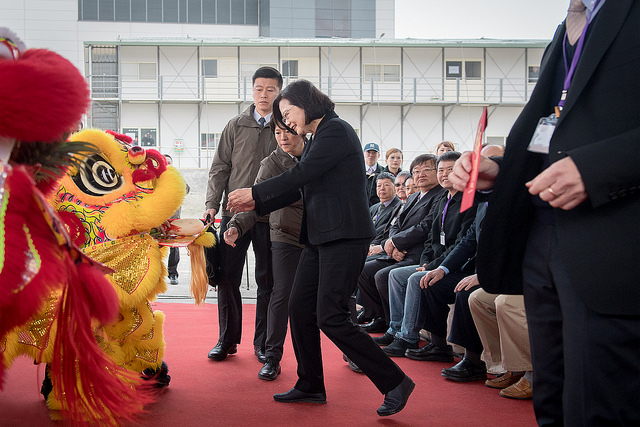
(466, 370)
(294, 395)
(396, 399)
(431, 353)
(270, 370)
(398, 347)
(220, 351)
(386, 339)
(354, 367)
(376, 325)
(362, 318)
(259, 351)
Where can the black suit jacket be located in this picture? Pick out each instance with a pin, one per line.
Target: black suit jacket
(372, 195)
(599, 128)
(332, 178)
(383, 220)
(411, 229)
(463, 255)
(456, 225)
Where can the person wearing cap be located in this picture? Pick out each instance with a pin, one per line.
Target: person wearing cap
(372, 169)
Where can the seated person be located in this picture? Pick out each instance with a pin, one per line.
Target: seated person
(410, 186)
(502, 325)
(401, 190)
(407, 234)
(383, 212)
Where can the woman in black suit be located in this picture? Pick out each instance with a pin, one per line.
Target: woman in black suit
(336, 229)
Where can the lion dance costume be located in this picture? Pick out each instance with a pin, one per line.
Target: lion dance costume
(52, 296)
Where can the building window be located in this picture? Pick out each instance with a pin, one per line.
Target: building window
(209, 68)
(147, 71)
(534, 73)
(472, 70)
(104, 72)
(209, 141)
(290, 68)
(134, 133)
(148, 137)
(387, 73)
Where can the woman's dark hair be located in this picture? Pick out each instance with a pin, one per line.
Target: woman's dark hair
(303, 94)
(276, 120)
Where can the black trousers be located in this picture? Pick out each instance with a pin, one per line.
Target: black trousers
(325, 281)
(585, 364)
(373, 284)
(437, 300)
(285, 257)
(174, 259)
(229, 297)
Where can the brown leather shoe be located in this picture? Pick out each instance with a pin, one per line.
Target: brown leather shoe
(520, 390)
(504, 381)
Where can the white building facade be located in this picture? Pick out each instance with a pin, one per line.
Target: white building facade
(174, 84)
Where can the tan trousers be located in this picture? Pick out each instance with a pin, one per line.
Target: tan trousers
(502, 326)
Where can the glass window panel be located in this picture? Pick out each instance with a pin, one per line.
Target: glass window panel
(138, 10)
(473, 70)
(223, 12)
(208, 11)
(90, 10)
(290, 68)
(209, 141)
(251, 13)
(391, 73)
(134, 133)
(182, 10)
(123, 10)
(154, 10)
(210, 68)
(534, 72)
(170, 11)
(105, 10)
(148, 137)
(237, 12)
(453, 69)
(194, 11)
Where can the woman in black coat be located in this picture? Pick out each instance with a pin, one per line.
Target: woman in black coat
(336, 229)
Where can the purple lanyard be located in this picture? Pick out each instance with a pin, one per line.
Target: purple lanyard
(569, 70)
(444, 213)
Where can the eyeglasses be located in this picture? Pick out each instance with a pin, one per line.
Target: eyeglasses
(422, 171)
(398, 185)
(285, 116)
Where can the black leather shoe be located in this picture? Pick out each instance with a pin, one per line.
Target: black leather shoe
(294, 395)
(258, 350)
(386, 339)
(466, 370)
(398, 347)
(354, 367)
(270, 370)
(431, 353)
(376, 325)
(396, 399)
(362, 318)
(221, 350)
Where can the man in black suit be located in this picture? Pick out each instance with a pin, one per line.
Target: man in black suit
(563, 225)
(407, 235)
(382, 213)
(372, 168)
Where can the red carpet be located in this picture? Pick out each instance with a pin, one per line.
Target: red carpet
(203, 392)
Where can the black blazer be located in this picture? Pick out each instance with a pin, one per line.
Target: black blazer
(332, 178)
(384, 219)
(463, 256)
(411, 229)
(371, 185)
(599, 241)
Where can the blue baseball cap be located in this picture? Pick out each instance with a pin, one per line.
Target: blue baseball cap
(372, 146)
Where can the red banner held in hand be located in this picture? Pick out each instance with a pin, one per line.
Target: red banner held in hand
(470, 189)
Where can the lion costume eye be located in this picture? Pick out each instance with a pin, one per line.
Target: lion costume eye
(97, 177)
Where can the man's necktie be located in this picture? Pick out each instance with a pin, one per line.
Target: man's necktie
(262, 122)
(576, 20)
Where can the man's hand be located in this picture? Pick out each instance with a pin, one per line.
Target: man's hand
(211, 213)
(389, 247)
(467, 283)
(487, 172)
(241, 200)
(230, 236)
(560, 184)
(374, 249)
(397, 255)
(431, 278)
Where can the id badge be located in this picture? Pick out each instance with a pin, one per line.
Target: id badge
(442, 239)
(542, 136)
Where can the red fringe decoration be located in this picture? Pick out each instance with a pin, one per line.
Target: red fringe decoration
(154, 166)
